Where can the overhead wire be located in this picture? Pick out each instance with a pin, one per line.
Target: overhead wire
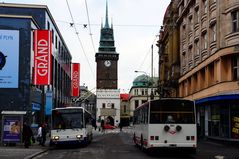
(146, 55)
(88, 18)
(78, 37)
(117, 25)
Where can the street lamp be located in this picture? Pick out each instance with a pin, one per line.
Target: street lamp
(147, 81)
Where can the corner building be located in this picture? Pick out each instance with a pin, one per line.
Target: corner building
(209, 55)
(20, 20)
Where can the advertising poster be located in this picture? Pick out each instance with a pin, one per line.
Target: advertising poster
(9, 55)
(12, 129)
(48, 103)
(235, 126)
(42, 57)
(75, 83)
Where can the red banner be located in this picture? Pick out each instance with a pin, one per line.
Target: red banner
(42, 57)
(75, 83)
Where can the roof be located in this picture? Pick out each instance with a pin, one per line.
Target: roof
(124, 96)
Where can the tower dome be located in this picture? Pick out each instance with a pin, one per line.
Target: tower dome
(142, 80)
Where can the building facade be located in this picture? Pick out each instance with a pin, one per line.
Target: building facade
(169, 59)
(107, 92)
(143, 90)
(124, 110)
(209, 55)
(17, 24)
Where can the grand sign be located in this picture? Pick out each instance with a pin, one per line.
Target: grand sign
(75, 83)
(42, 57)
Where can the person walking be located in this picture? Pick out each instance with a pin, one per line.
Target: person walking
(27, 134)
(41, 134)
(102, 124)
(120, 126)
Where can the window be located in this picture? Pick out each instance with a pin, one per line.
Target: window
(103, 105)
(52, 36)
(190, 22)
(190, 56)
(136, 92)
(205, 6)
(213, 32)
(48, 26)
(235, 21)
(56, 42)
(136, 103)
(196, 48)
(204, 40)
(235, 68)
(142, 91)
(196, 18)
(112, 106)
(183, 59)
(124, 108)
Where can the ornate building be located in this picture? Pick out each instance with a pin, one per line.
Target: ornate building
(209, 53)
(169, 59)
(108, 94)
(144, 87)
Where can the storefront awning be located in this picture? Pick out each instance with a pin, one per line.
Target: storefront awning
(216, 98)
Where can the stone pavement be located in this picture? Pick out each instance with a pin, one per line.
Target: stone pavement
(20, 152)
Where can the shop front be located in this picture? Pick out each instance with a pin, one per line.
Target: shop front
(218, 117)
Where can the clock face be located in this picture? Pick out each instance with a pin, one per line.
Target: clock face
(107, 63)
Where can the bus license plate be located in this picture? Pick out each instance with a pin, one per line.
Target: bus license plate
(172, 145)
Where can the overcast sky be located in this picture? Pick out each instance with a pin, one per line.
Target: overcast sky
(136, 25)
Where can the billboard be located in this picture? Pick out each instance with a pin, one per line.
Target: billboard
(42, 57)
(75, 83)
(9, 58)
(12, 128)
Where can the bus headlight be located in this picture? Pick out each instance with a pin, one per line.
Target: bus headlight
(79, 136)
(56, 137)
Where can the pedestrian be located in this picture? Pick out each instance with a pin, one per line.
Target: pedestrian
(41, 134)
(27, 134)
(120, 126)
(102, 124)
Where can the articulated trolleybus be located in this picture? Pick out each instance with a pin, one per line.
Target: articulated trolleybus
(71, 125)
(166, 123)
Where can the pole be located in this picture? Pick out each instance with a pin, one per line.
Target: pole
(151, 92)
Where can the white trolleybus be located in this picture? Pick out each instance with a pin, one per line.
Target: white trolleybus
(166, 123)
(71, 125)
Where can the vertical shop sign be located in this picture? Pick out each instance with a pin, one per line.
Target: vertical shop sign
(42, 57)
(75, 83)
(48, 103)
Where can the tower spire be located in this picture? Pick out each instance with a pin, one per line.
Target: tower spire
(106, 16)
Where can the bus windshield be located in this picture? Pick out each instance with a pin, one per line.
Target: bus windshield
(172, 111)
(67, 119)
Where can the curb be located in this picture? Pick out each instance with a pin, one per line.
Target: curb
(36, 154)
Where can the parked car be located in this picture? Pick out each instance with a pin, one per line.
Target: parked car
(108, 126)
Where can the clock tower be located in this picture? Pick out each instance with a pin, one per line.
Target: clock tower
(107, 58)
(107, 92)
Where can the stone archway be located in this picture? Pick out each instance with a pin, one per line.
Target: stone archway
(110, 120)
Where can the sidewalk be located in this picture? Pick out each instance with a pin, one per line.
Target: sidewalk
(18, 151)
